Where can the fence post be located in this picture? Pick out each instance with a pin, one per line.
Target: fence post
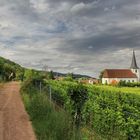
(50, 94)
(40, 87)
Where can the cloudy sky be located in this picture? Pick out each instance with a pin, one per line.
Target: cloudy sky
(80, 36)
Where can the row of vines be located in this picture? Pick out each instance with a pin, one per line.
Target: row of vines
(112, 114)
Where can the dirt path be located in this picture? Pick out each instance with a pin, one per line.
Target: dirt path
(14, 121)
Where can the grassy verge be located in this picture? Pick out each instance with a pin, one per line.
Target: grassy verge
(48, 123)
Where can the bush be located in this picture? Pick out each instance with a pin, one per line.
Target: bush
(110, 111)
(128, 84)
(113, 114)
(48, 123)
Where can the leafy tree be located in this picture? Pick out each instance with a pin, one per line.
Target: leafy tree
(28, 74)
(101, 75)
(20, 74)
(8, 72)
(50, 75)
(69, 77)
(122, 83)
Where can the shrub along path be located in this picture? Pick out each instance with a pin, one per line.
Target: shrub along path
(14, 121)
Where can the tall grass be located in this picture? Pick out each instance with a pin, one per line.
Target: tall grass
(48, 123)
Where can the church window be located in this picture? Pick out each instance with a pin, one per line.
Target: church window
(136, 71)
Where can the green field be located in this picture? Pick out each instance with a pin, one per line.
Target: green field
(134, 90)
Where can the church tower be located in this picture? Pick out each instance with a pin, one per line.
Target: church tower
(134, 67)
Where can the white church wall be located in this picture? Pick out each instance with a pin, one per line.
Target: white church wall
(109, 80)
(137, 72)
(105, 80)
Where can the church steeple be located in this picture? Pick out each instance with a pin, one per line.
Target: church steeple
(134, 62)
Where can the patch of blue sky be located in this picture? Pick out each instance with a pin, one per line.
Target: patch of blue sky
(9, 42)
(58, 27)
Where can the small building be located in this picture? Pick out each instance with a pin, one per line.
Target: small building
(89, 81)
(93, 81)
(128, 75)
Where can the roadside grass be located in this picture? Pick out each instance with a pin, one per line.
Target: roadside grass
(48, 123)
(106, 107)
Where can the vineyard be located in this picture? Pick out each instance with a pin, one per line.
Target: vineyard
(100, 112)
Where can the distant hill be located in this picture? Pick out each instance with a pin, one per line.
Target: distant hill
(10, 70)
(74, 75)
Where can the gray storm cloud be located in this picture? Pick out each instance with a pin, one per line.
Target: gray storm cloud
(80, 36)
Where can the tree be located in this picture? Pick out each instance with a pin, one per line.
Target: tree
(28, 74)
(50, 75)
(20, 74)
(101, 75)
(8, 72)
(69, 77)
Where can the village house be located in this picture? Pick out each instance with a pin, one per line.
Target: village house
(128, 75)
(89, 81)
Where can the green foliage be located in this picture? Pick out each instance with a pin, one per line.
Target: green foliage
(10, 70)
(78, 94)
(32, 85)
(28, 74)
(101, 75)
(49, 123)
(128, 84)
(50, 75)
(111, 112)
(20, 74)
(69, 77)
(121, 83)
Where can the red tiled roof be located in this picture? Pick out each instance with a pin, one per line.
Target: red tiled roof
(118, 73)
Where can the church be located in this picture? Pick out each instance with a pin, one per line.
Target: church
(127, 75)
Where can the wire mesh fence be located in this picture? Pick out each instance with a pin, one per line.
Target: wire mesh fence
(58, 102)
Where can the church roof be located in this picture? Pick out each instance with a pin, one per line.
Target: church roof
(134, 63)
(118, 73)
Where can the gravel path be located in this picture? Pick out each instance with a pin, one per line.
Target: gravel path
(14, 121)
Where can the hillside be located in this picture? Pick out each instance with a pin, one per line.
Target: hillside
(10, 70)
(74, 75)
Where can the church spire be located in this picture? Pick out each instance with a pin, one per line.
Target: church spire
(134, 63)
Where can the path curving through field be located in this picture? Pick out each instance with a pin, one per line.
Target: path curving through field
(14, 121)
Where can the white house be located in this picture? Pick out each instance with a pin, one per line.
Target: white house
(117, 75)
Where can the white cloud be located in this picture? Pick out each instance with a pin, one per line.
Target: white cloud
(39, 5)
(78, 7)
